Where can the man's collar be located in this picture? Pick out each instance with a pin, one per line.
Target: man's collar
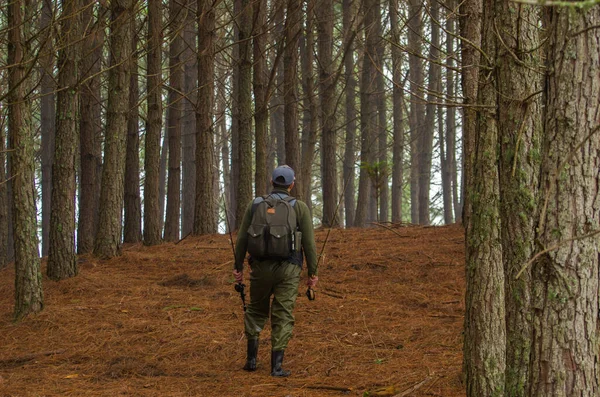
(280, 190)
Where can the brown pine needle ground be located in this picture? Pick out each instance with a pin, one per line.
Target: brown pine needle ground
(166, 321)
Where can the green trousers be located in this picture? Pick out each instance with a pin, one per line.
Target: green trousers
(278, 279)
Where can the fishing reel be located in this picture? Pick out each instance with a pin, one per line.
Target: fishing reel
(310, 294)
(240, 288)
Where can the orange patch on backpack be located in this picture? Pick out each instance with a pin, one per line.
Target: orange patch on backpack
(270, 210)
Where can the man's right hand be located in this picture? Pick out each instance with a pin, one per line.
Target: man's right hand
(239, 276)
(312, 281)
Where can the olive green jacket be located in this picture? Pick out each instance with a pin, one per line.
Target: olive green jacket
(304, 224)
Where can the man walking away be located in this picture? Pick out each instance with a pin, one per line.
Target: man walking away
(277, 232)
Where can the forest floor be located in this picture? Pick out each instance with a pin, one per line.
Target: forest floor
(166, 321)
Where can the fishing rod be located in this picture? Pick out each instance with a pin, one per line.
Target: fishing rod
(310, 293)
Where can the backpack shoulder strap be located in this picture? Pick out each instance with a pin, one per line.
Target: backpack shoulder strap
(291, 200)
(256, 202)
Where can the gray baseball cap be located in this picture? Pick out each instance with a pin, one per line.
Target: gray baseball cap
(283, 175)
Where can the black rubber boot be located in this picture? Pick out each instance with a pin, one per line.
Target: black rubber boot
(252, 353)
(276, 361)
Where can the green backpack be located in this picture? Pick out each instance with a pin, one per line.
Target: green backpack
(272, 232)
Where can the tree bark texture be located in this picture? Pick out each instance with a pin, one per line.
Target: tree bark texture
(162, 175)
(445, 170)
(188, 122)
(90, 129)
(174, 112)
(451, 174)
(417, 107)
(152, 214)
(276, 102)
(398, 114)
(62, 263)
(205, 213)
(4, 214)
(108, 238)
(565, 279)
(325, 19)
(425, 140)
(520, 131)
(260, 81)
(470, 31)
(48, 115)
(132, 229)
(368, 122)
(224, 138)
(28, 278)
(349, 14)
(244, 159)
(235, 118)
(311, 101)
(485, 326)
(382, 169)
(290, 89)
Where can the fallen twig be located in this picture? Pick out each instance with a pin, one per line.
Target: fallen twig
(387, 227)
(414, 387)
(183, 238)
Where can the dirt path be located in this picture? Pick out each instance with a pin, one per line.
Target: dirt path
(166, 321)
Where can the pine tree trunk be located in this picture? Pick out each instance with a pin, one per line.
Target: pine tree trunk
(152, 214)
(417, 108)
(398, 113)
(311, 107)
(108, 238)
(90, 125)
(188, 122)
(470, 30)
(132, 232)
(175, 107)
(4, 214)
(48, 117)
(425, 140)
(235, 118)
(61, 253)
(325, 19)
(259, 82)
(443, 127)
(10, 247)
(382, 180)
(223, 138)
(290, 89)
(520, 132)
(485, 326)
(204, 218)
(162, 175)
(451, 110)
(244, 185)
(368, 121)
(565, 279)
(276, 103)
(261, 113)
(445, 170)
(28, 278)
(274, 55)
(350, 112)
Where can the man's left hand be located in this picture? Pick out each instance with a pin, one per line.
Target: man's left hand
(312, 281)
(239, 276)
